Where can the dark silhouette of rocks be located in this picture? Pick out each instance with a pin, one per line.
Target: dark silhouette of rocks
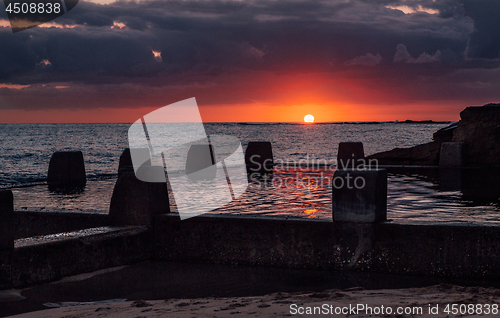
(445, 134)
(421, 155)
(478, 130)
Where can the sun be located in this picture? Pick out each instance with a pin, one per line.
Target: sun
(309, 118)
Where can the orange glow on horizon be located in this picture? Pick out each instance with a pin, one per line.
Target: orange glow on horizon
(244, 113)
(272, 98)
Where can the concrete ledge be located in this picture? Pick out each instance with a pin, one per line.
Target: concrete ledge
(30, 223)
(444, 251)
(51, 257)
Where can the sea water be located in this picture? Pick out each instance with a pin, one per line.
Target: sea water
(413, 196)
(26, 148)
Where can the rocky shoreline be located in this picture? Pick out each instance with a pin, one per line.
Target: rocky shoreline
(478, 130)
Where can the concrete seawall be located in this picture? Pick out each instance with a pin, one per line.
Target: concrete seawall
(427, 250)
(52, 257)
(422, 250)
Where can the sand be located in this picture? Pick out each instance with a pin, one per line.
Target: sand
(290, 304)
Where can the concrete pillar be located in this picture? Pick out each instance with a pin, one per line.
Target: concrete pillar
(350, 155)
(66, 171)
(134, 202)
(451, 155)
(359, 196)
(6, 237)
(259, 158)
(6, 220)
(126, 165)
(200, 163)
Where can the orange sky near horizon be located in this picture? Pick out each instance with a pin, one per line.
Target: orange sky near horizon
(278, 98)
(245, 113)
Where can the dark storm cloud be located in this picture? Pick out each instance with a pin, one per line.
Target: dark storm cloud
(214, 37)
(484, 42)
(203, 41)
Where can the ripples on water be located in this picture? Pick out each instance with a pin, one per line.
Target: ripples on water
(414, 196)
(26, 148)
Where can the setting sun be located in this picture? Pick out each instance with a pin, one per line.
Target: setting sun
(309, 118)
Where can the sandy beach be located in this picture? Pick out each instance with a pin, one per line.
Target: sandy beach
(356, 302)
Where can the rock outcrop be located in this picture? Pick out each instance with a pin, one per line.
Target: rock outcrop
(478, 129)
(421, 155)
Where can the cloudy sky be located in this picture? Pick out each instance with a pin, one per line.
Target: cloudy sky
(254, 60)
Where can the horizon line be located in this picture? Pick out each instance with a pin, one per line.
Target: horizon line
(253, 122)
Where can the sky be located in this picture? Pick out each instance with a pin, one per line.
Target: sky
(254, 60)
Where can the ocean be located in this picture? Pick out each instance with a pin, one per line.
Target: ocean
(27, 148)
(413, 196)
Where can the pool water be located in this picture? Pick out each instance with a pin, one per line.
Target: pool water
(415, 196)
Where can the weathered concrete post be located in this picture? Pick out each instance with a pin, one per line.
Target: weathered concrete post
(359, 195)
(134, 202)
(451, 155)
(259, 158)
(351, 155)
(6, 236)
(126, 165)
(200, 163)
(66, 171)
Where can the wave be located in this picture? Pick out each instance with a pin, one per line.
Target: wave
(23, 182)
